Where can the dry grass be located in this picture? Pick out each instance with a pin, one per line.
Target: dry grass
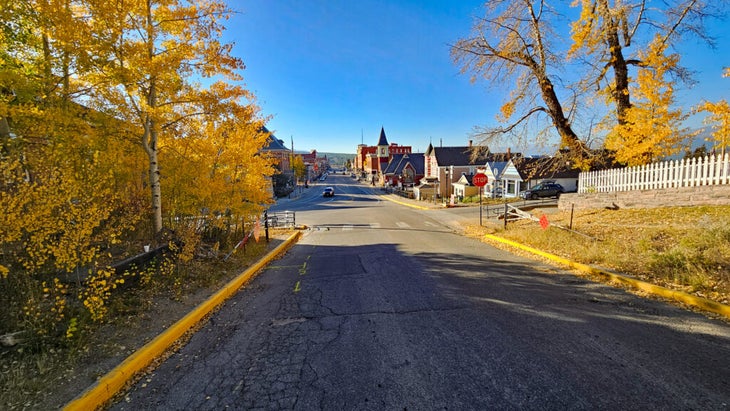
(686, 248)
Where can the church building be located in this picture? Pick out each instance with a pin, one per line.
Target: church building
(373, 160)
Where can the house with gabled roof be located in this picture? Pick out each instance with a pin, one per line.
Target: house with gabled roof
(493, 171)
(389, 172)
(464, 187)
(503, 178)
(446, 165)
(404, 170)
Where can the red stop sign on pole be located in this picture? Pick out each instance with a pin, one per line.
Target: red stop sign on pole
(479, 180)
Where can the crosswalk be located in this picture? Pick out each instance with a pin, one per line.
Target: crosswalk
(374, 226)
(350, 227)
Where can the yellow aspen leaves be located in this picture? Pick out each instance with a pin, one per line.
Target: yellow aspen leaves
(719, 116)
(585, 32)
(718, 119)
(103, 110)
(98, 291)
(652, 128)
(507, 110)
(297, 165)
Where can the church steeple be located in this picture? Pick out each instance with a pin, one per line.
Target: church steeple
(382, 141)
(383, 144)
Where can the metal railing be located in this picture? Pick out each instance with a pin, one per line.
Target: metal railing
(281, 219)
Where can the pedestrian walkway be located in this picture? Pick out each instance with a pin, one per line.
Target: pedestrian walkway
(293, 196)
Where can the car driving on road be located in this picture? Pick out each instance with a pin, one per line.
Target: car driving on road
(328, 192)
(542, 190)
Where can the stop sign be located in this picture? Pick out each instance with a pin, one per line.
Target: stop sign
(479, 180)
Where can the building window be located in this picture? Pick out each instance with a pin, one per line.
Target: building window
(511, 187)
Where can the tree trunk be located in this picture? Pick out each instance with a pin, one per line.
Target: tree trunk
(155, 189)
(568, 138)
(4, 135)
(149, 143)
(149, 140)
(620, 90)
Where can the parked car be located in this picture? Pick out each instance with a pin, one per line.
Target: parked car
(542, 190)
(328, 192)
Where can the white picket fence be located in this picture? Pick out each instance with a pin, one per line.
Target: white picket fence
(710, 170)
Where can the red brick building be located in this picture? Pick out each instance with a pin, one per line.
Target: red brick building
(371, 161)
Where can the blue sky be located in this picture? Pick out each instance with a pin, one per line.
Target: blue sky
(330, 73)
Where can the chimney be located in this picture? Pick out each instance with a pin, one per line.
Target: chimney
(470, 143)
(509, 153)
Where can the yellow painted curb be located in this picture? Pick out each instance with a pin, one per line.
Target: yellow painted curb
(110, 384)
(405, 204)
(689, 299)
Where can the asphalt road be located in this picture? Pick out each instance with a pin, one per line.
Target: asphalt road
(384, 307)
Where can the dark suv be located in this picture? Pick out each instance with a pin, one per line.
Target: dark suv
(544, 189)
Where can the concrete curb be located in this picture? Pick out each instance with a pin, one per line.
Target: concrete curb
(110, 384)
(689, 299)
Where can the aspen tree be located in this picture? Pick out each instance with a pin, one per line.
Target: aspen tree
(150, 52)
(61, 192)
(298, 166)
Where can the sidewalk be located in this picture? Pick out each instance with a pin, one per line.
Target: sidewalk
(293, 196)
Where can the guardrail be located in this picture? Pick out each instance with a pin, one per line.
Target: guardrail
(282, 219)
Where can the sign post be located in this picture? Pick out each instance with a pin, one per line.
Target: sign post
(480, 180)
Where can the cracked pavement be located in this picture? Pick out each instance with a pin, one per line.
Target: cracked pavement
(390, 309)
